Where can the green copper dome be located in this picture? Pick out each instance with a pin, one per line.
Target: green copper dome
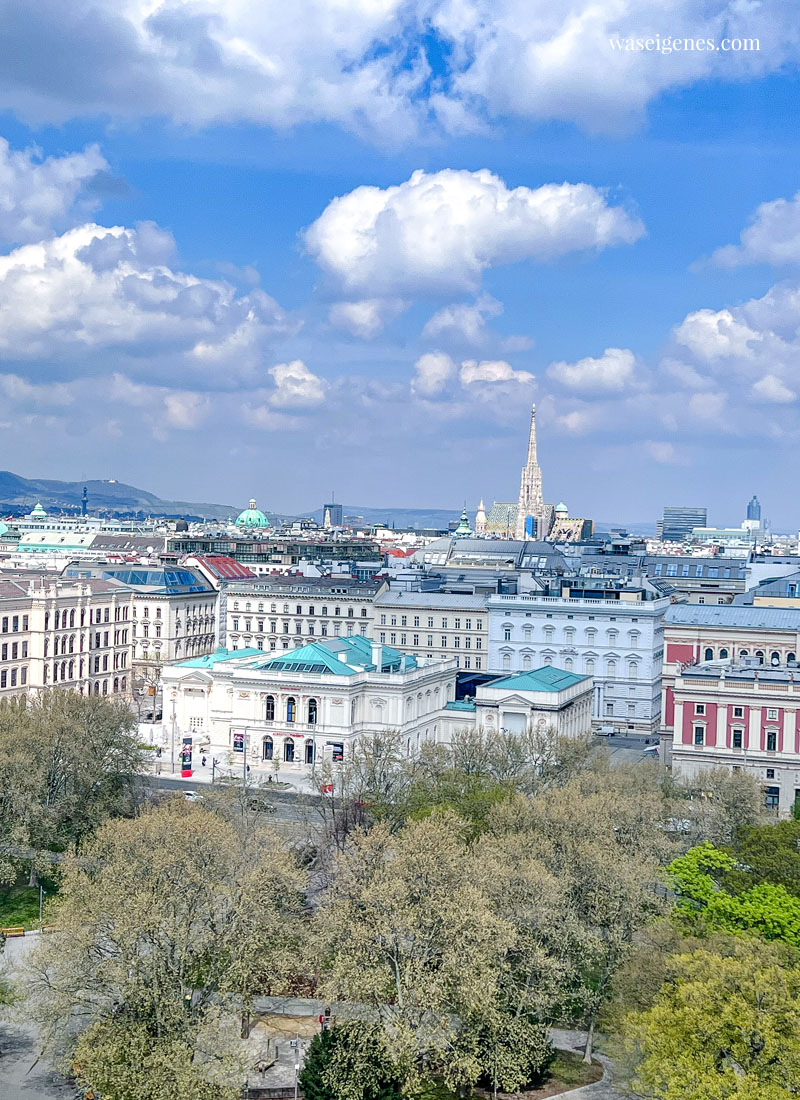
(38, 511)
(251, 517)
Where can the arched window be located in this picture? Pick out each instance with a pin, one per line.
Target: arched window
(723, 654)
(568, 664)
(309, 754)
(611, 668)
(269, 713)
(775, 658)
(709, 655)
(122, 684)
(791, 659)
(291, 710)
(633, 669)
(63, 670)
(105, 687)
(56, 620)
(589, 665)
(742, 652)
(116, 682)
(312, 715)
(266, 748)
(288, 750)
(72, 643)
(760, 656)
(506, 662)
(71, 668)
(526, 662)
(72, 617)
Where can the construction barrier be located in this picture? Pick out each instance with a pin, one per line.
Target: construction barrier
(17, 931)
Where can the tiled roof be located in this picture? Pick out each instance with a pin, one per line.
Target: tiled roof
(226, 568)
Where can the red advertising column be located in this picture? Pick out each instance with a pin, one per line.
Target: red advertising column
(186, 758)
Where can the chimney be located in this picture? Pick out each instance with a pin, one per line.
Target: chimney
(377, 656)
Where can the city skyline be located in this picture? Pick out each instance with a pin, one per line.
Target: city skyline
(382, 279)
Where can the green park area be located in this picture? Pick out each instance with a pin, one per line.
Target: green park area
(458, 908)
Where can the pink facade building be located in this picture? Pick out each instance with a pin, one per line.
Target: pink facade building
(731, 694)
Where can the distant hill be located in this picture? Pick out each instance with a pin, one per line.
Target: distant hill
(19, 494)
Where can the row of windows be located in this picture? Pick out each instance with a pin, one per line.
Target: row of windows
(393, 621)
(13, 650)
(590, 634)
(291, 710)
(675, 569)
(14, 622)
(337, 610)
(737, 738)
(12, 677)
(723, 653)
(456, 641)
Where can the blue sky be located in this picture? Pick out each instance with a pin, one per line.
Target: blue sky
(246, 252)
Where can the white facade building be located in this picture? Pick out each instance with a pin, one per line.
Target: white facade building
(307, 705)
(619, 642)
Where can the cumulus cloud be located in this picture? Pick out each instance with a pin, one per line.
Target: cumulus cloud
(386, 66)
(296, 387)
(433, 372)
(463, 322)
(167, 407)
(492, 371)
(772, 237)
(773, 391)
(664, 452)
(716, 334)
(22, 392)
(365, 318)
(438, 232)
(93, 288)
(612, 371)
(39, 194)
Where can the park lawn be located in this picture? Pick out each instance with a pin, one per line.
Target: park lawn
(19, 905)
(568, 1071)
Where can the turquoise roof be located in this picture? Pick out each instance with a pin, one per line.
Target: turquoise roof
(3, 527)
(211, 659)
(323, 656)
(252, 517)
(546, 678)
(460, 704)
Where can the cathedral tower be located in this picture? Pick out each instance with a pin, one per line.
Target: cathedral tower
(531, 501)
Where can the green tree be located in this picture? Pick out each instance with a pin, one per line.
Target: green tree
(167, 927)
(713, 804)
(407, 928)
(766, 909)
(766, 853)
(66, 762)
(726, 1027)
(350, 1062)
(587, 857)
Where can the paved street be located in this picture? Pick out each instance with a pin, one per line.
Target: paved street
(23, 1076)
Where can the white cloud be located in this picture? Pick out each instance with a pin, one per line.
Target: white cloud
(773, 237)
(186, 410)
(440, 231)
(365, 63)
(664, 452)
(492, 371)
(165, 407)
(433, 373)
(365, 318)
(717, 334)
(93, 289)
(612, 371)
(39, 194)
(22, 392)
(772, 390)
(463, 322)
(577, 422)
(707, 406)
(296, 387)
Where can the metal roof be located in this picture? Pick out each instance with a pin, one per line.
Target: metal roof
(546, 678)
(733, 615)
